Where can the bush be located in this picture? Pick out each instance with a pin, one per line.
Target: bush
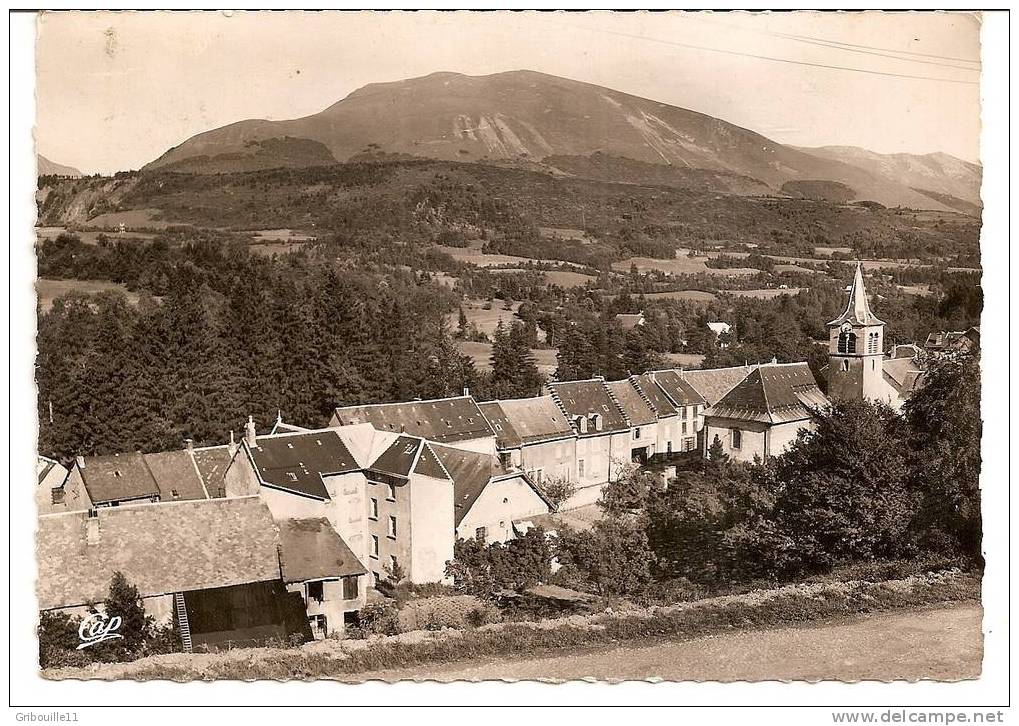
(378, 618)
(436, 613)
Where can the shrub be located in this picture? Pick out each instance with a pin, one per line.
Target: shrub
(436, 613)
(378, 618)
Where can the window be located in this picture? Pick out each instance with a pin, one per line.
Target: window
(375, 546)
(350, 587)
(845, 365)
(392, 492)
(316, 591)
(847, 340)
(481, 533)
(682, 428)
(373, 508)
(376, 578)
(392, 526)
(580, 468)
(393, 565)
(737, 438)
(682, 411)
(873, 343)
(668, 447)
(318, 626)
(636, 433)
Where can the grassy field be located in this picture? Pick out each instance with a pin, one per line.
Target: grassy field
(90, 237)
(767, 294)
(49, 290)
(281, 235)
(565, 278)
(683, 360)
(474, 256)
(485, 321)
(481, 354)
(131, 219)
(680, 266)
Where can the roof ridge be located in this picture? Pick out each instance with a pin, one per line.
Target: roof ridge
(615, 401)
(404, 403)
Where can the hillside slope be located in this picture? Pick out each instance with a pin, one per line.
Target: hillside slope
(51, 168)
(529, 116)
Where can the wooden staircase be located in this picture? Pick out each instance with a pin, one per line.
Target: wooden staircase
(182, 621)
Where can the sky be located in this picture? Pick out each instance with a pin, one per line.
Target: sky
(116, 90)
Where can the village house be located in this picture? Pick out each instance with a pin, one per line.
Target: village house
(640, 416)
(959, 341)
(765, 412)
(135, 478)
(629, 321)
(487, 498)
(210, 567)
(533, 434)
(668, 428)
(689, 405)
(410, 512)
(50, 477)
(603, 434)
(456, 421)
(318, 565)
(312, 475)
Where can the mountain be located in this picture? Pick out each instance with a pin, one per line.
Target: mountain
(527, 117)
(49, 168)
(938, 173)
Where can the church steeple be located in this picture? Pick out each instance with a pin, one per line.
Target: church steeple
(856, 347)
(857, 312)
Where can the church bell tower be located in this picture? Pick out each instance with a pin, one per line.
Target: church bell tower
(856, 348)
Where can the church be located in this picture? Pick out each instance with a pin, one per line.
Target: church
(857, 365)
(762, 414)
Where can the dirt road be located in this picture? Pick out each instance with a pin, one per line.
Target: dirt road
(940, 644)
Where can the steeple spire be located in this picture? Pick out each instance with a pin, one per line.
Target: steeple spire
(857, 311)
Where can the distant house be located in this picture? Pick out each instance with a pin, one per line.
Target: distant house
(719, 329)
(211, 567)
(410, 512)
(318, 565)
(630, 321)
(764, 412)
(640, 416)
(533, 434)
(603, 434)
(689, 405)
(960, 341)
(49, 490)
(456, 421)
(487, 498)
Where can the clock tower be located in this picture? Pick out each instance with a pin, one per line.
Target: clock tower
(856, 348)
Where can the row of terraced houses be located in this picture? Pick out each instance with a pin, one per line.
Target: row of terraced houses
(288, 531)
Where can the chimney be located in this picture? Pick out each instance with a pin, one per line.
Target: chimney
(189, 444)
(80, 461)
(249, 433)
(232, 446)
(92, 527)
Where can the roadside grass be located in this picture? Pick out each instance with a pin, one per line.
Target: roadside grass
(787, 606)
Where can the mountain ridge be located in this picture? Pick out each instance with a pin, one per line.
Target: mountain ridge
(530, 116)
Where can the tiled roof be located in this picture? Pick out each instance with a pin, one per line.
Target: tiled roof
(584, 398)
(444, 420)
(638, 412)
(645, 383)
(118, 477)
(399, 457)
(160, 548)
(522, 421)
(310, 549)
(903, 374)
(680, 391)
(176, 475)
(428, 463)
(713, 383)
(774, 393)
(297, 462)
(212, 463)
